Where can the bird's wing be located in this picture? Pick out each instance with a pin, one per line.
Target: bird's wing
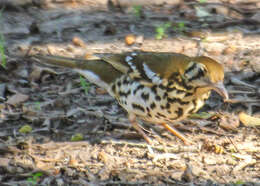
(149, 66)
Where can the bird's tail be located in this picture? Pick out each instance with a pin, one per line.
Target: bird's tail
(96, 71)
(72, 63)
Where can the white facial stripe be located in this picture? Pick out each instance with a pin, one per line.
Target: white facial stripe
(151, 75)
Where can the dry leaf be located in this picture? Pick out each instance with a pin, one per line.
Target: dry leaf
(78, 42)
(17, 99)
(100, 91)
(37, 71)
(4, 162)
(228, 121)
(249, 121)
(130, 39)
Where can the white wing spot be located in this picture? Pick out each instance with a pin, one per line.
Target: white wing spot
(151, 75)
(133, 67)
(133, 54)
(128, 58)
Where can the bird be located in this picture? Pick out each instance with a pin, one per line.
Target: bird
(156, 87)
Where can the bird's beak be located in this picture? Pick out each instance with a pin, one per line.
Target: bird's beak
(220, 89)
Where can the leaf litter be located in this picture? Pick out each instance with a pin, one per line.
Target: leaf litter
(53, 103)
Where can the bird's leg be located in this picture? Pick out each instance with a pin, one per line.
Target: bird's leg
(135, 124)
(177, 133)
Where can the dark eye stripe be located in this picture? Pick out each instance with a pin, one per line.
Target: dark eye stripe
(193, 66)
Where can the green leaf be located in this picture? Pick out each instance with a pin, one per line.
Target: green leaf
(84, 84)
(137, 10)
(239, 182)
(167, 25)
(25, 129)
(77, 137)
(2, 43)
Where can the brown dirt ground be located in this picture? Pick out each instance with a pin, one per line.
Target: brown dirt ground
(53, 102)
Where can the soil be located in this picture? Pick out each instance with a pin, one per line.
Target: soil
(58, 129)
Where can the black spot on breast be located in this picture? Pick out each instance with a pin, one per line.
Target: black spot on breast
(179, 112)
(149, 115)
(139, 87)
(137, 78)
(152, 106)
(138, 107)
(119, 83)
(177, 100)
(161, 115)
(170, 83)
(157, 98)
(165, 95)
(114, 88)
(124, 94)
(162, 107)
(125, 81)
(145, 96)
(170, 89)
(168, 105)
(148, 109)
(169, 111)
(162, 87)
(178, 91)
(187, 94)
(184, 85)
(154, 89)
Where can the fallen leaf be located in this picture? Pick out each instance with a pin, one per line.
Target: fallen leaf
(37, 71)
(78, 42)
(130, 39)
(17, 99)
(100, 91)
(248, 120)
(228, 121)
(4, 162)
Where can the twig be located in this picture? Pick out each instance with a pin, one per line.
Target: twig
(231, 141)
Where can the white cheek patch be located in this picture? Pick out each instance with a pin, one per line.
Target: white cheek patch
(93, 78)
(151, 75)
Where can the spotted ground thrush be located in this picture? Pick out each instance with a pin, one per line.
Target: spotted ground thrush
(160, 88)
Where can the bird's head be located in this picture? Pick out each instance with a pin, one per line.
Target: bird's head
(206, 74)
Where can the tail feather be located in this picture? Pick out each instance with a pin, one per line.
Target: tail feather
(96, 71)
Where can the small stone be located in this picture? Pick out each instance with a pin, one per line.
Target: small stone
(210, 160)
